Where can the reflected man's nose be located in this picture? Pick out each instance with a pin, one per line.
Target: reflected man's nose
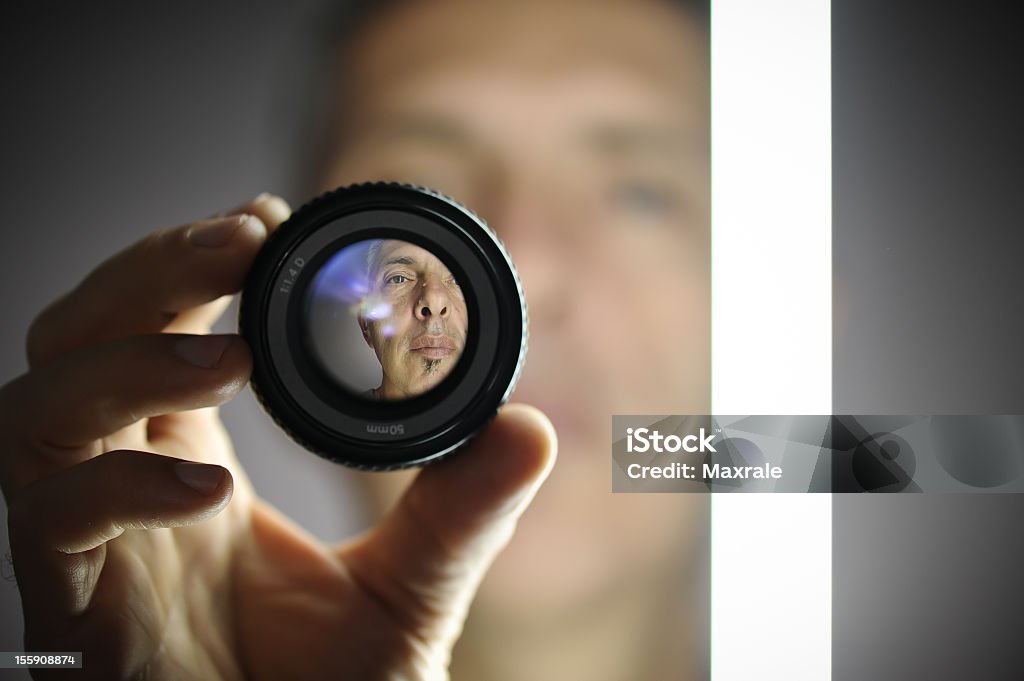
(432, 300)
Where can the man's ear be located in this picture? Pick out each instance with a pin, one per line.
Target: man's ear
(366, 331)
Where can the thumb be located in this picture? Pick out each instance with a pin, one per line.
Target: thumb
(59, 525)
(424, 562)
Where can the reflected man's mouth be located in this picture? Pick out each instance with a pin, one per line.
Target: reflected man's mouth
(433, 346)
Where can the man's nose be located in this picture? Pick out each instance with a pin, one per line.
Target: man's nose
(432, 301)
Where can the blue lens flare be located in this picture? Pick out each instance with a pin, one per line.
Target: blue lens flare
(345, 277)
(373, 308)
(345, 280)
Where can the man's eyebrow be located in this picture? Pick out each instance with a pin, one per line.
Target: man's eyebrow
(612, 139)
(398, 260)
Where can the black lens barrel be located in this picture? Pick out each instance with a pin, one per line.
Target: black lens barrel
(333, 422)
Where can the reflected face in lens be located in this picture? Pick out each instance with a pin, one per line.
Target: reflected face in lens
(418, 328)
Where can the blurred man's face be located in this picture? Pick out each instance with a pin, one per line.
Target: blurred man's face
(420, 335)
(579, 131)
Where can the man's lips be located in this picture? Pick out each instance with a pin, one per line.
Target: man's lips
(432, 347)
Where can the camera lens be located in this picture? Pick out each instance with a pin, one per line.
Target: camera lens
(387, 325)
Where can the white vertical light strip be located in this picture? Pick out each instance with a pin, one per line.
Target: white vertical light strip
(771, 325)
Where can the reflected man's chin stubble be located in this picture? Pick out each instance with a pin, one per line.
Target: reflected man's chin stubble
(434, 350)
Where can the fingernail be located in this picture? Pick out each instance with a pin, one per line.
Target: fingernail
(202, 477)
(276, 208)
(202, 351)
(215, 234)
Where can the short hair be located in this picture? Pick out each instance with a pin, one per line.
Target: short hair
(372, 255)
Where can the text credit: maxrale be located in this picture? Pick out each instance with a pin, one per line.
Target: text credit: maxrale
(644, 440)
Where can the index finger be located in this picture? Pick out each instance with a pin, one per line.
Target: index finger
(146, 287)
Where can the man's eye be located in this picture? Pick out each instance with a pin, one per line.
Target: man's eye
(643, 197)
(396, 279)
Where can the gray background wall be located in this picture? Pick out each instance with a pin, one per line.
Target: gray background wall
(927, 233)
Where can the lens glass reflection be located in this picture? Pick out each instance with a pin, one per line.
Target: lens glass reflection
(386, 319)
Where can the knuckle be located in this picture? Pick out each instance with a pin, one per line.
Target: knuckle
(157, 241)
(126, 266)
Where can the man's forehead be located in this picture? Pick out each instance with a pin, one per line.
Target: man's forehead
(650, 38)
(606, 72)
(393, 250)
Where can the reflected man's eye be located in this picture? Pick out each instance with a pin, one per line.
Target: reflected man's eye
(396, 279)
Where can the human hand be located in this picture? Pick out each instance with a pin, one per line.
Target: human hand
(138, 540)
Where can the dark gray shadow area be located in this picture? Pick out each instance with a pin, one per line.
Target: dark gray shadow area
(927, 243)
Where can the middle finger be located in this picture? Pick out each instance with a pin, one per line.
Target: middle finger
(53, 416)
